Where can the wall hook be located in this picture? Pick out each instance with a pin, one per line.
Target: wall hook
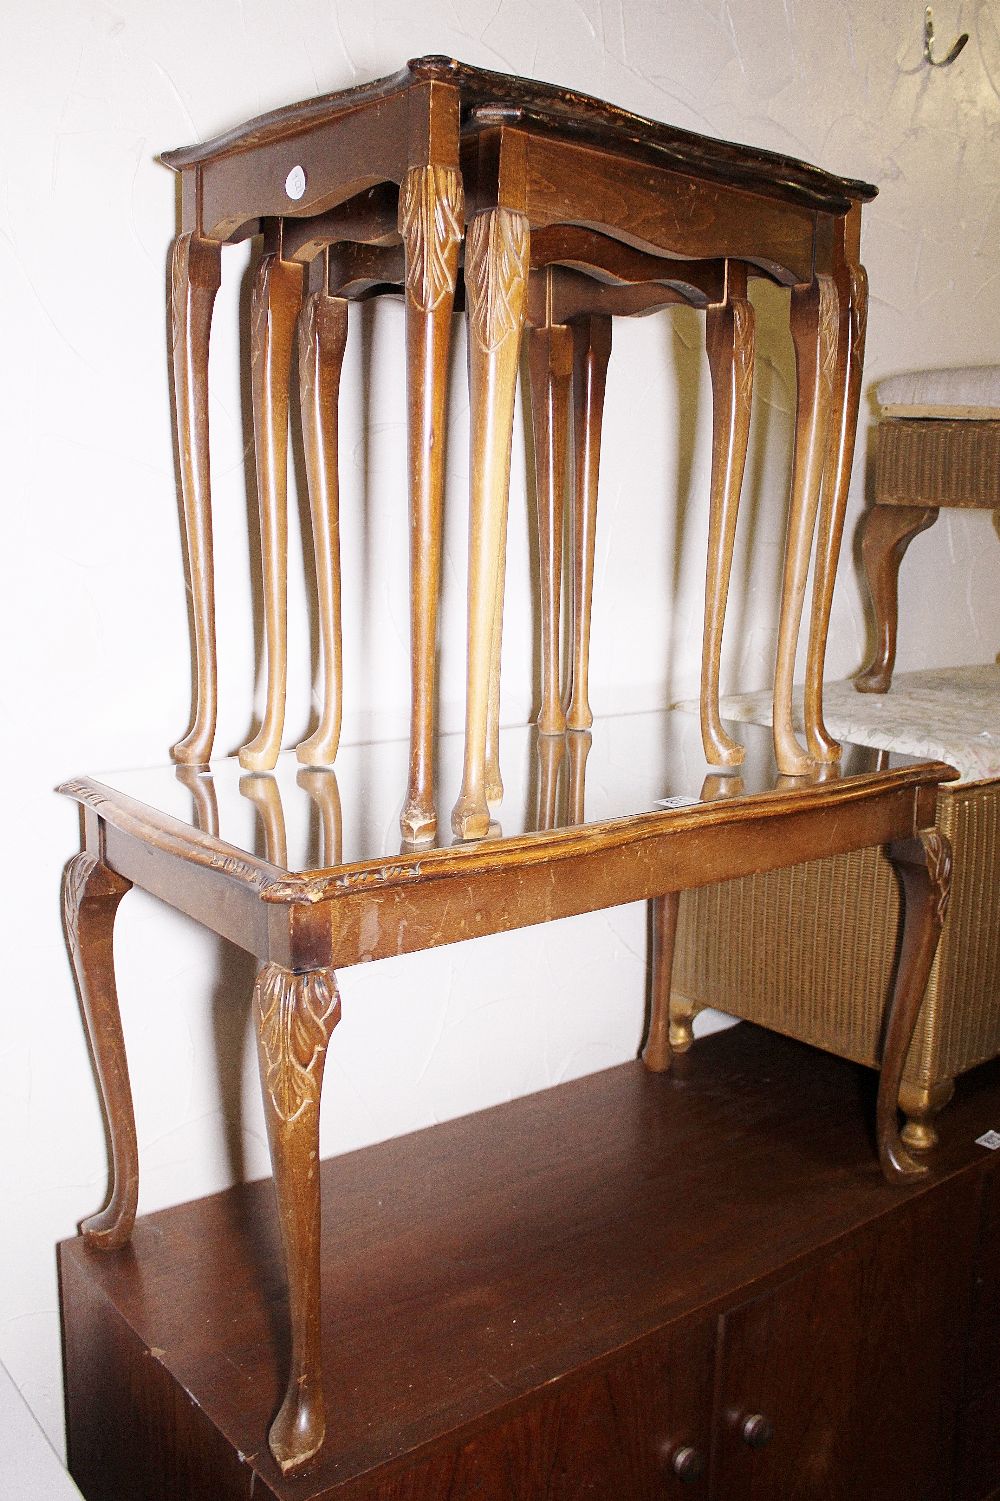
(939, 62)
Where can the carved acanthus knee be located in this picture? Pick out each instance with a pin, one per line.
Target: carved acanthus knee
(295, 1015)
(431, 215)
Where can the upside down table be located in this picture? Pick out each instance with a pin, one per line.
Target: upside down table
(476, 162)
(304, 870)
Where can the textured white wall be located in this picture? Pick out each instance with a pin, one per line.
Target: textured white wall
(96, 663)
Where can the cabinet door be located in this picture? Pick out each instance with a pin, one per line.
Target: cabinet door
(978, 1471)
(607, 1436)
(853, 1366)
(611, 1436)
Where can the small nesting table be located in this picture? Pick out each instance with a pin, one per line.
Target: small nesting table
(478, 161)
(298, 869)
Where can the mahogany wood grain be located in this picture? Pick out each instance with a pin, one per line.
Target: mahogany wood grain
(661, 210)
(886, 533)
(729, 339)
(195, 277)
(831, 1358)
(550, 366)
(91, 893)
(814, 314)
(322, 341)
(496, 273)
(276, 303)
(852, 291)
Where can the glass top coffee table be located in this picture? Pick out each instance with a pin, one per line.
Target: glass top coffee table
(305, 870)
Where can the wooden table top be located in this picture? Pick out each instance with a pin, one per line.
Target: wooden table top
(548, 107)
(632, 774)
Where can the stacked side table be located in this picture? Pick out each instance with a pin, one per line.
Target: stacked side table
(482, 161)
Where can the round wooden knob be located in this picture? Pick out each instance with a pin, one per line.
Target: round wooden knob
(688, 1463)
(756, 1430)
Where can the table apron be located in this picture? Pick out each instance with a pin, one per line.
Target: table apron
(381, 922)
(663, 211)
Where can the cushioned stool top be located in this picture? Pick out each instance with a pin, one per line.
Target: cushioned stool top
(970, 393)
(946, 714)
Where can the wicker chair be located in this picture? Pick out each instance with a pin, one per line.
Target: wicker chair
(810, 951)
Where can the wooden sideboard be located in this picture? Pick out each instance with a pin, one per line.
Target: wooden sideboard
(629, 1286)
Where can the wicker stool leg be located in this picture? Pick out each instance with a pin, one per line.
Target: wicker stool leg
(920, 1103)
(887, 533)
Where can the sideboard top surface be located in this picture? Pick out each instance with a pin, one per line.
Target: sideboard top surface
(469, 1264)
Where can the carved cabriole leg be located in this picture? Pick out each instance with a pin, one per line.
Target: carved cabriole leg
(729, 338)
(496, 275)
(322, 341)
(431, 209)
(853, 293)
(493, 777)
(91, 893)
(591, 353)
(550, 369)
(195, 275)
(886, 533)
(920, 1104)
(295, 1015)
(923, 865)
(814, 334)
(657, 1052)
(275, 306)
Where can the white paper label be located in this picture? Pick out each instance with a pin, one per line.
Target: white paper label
(990, 1139)
(677, 802)
(295, 182)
